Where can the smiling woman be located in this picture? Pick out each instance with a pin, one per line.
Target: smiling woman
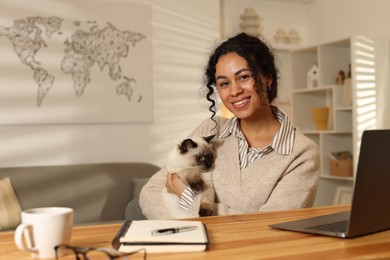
(247, 100)
(263, 163)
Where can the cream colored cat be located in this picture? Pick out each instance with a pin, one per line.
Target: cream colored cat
(193, 161)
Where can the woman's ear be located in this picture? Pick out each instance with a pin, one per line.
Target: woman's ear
(268, 82)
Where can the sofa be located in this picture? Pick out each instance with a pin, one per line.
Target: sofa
(98, 193)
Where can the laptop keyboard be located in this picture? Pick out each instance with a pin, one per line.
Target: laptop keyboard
(340, 226)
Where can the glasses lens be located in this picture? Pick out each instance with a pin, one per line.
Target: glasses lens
(98, 255)
(106, 253)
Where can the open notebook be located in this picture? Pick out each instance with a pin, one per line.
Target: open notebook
(370, 211)
(186, 236)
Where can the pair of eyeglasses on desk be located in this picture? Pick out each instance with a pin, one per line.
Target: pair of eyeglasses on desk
(64, 251)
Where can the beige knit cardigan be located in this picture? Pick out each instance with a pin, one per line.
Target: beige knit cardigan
(272, 182)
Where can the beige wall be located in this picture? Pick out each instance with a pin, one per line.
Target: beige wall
(335, 19)
(322, 21)
(183, 33)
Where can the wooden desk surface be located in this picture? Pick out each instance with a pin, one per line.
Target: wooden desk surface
(243, 237)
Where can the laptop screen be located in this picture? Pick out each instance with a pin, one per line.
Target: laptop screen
(370, 207)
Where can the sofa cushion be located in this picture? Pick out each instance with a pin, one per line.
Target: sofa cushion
(133, 210)
(9, 205)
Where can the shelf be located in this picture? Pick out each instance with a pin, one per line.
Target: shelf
(281, 48)
(350, 110)
(343, 108)
(317, 89)
(340, 178)
(318, 132)
(330, 58)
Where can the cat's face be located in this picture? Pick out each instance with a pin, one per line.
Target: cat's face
(196, 151)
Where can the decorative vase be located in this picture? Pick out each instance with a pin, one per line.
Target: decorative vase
(250, 22)
(320, 116)
(281, 36)
(313, 76)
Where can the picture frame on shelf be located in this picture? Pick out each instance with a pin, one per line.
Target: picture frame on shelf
(343, 195)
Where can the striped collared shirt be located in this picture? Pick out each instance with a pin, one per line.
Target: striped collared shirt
(282, 142)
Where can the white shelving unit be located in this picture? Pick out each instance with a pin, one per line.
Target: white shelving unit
(346, 122)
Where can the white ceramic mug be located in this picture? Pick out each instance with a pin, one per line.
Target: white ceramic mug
(42, 229)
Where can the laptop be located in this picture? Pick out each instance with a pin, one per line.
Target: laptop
(370, 209)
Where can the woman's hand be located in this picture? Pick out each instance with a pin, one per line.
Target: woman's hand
(174, 184)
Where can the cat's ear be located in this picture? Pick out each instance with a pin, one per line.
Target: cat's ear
(186, 145)
(209, 138)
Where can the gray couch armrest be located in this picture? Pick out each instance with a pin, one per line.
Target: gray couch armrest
(133, 209)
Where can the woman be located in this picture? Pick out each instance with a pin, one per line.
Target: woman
(263, 163)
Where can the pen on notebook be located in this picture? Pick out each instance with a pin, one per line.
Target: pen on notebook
(173, 230)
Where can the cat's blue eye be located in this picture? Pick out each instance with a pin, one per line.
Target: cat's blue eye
(200, 158)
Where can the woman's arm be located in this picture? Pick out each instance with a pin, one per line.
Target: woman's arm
(298, 186)
(151, 200)
(223, 209)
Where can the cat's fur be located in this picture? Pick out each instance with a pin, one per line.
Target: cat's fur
(193, 161)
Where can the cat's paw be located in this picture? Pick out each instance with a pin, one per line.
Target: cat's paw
(205, 210)
(198, 186)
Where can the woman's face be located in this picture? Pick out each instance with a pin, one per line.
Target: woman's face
(236, 87)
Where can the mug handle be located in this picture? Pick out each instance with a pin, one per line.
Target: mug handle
(22, 232)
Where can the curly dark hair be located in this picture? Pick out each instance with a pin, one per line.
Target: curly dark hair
(258, 56)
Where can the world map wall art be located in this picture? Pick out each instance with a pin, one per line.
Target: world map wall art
(84, 61)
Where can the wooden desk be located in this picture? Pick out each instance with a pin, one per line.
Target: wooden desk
(243, 237)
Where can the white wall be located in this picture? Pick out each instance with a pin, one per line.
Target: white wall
(336, 19)
(273, 15)
(324, 21)
(184, 31)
